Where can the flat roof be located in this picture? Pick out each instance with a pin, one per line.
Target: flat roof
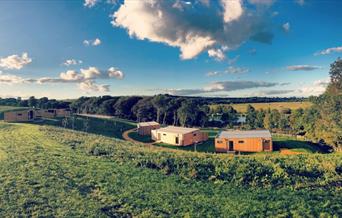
(177, 129)
(151, 123)
(245, 134)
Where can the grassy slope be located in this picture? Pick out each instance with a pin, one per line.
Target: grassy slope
(101, 126)
(274, 105)
(47, 172)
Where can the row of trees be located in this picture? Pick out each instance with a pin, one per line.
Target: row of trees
(165, 109)
(33, 102)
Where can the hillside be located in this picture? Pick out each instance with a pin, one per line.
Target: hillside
(48, 171)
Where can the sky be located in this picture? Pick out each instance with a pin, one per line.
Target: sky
(220, 48)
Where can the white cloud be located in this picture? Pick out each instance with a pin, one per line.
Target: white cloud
(318, 87)
(286, 27)
(90, 86)
(70, 62)
(90, 3)
(91, 73)
(71, 75)
(329, 51)
(228, 24)
(9, 79)
(232, 10)
(223, 86)
(15, 61)
(236, 70)
(212, 73)
(113, 72)
(217, 54)
(93, 42)
(303, 67)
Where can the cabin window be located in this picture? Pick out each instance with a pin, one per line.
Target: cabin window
(219, 141)
(19, 114)
(51, 111)
(164, 134)
(177, 140)
(241, 142)
(194, 134)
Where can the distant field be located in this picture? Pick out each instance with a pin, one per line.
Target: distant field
(242, 108)
(8, 108)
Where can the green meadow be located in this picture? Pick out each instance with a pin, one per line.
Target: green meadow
(54, 172)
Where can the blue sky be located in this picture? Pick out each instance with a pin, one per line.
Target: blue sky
(67, 49)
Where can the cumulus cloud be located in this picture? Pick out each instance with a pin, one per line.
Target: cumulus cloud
(217, 54)
(203, 26)
(92, 42)
(236, 70)
(86, 78)
(90, 86)
(71, 75)
(222, 86)
(303, 67)
(318, 87)
(329, 51)
(90, 3)
(113, 72)
(15, 61)
(70, 62)
(286, 27)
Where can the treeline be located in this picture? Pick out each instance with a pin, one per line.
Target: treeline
(33, 102)
(164, 109)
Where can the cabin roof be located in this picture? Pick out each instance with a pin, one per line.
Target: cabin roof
(151, 123)
(245, 134)
(177, 129)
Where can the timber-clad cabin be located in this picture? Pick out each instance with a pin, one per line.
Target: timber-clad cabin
(244, 141)
(179, 136)
(32, 114)
(144, 128)
(19, 116)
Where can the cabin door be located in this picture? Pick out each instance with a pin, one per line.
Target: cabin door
(230, 146)
(30, 115)
(266, 145)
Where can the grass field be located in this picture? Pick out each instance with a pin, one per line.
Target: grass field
(102, 126)
(241, 108)
(8, 108)
(51, 172)
(145, 139)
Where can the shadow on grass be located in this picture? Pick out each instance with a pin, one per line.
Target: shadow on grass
(145, 139)
(105, 127)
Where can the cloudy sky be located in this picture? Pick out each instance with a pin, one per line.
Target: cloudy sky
(236, 48)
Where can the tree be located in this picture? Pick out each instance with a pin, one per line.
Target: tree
(259, 122)
(229, 116)
(251, 117)
(187, 113)
(335, 86)
(32, 101)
